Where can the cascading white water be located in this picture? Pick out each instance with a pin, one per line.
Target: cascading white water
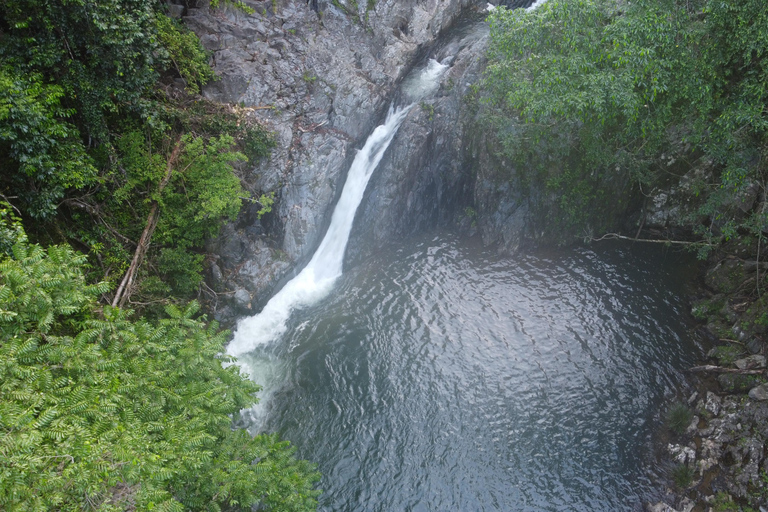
(535, 5)
(316, 280)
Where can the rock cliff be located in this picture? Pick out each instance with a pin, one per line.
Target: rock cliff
(320, 75)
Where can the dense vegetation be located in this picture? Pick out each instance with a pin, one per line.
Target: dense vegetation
(648, 90)
(100, 412)
(106, 147)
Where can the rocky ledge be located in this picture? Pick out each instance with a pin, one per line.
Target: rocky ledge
(718, 461)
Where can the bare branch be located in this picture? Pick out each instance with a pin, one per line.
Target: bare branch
(7, 199)
(616, 236)
(125, 289)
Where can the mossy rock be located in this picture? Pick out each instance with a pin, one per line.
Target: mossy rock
(754, 321)
(726, 354)
(726, 276)
(704, 309)
(718, 327)
(735, 383)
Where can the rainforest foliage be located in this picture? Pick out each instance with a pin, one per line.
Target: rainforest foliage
(104, 144)
(648, 88)
(106, 147)
(101, 412)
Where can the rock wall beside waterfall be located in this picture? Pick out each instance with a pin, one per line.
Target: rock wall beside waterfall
(516, 207)
(320, 76)
(423, 182)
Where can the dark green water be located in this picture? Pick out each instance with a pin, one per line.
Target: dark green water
(440, 377)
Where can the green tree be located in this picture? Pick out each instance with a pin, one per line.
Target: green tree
(603, 87)
(43, 155)
(188, 194)
(70, 73)
(103, 412)
(99, 156)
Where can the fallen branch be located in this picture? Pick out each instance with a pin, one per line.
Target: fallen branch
(720, 369)
(259, 107)
(729, 340)
(614, 236)
(312, 127)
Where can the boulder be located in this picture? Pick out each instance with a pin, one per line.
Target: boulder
(759, 393)
(748, 363)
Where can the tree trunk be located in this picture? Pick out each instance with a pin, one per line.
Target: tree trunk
(126, 285)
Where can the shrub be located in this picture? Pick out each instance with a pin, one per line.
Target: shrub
(102, 412)
(682, 475)
(678, 417)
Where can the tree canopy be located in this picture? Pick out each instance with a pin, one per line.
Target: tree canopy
(102, 407)
(626, 87)
(98, 411)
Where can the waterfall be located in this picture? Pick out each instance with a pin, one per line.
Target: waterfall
(316, 280)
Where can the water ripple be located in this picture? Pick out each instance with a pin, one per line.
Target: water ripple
(441, 377)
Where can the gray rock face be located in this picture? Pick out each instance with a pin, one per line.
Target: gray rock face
(320, 77)
(747, 363)
(728, 449)
(660, 507)
(516, 207)
(671, 206)
(422, 181)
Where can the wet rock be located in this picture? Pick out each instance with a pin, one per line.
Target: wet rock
(712, 403)
(748, 453)
(175, 11)
(754, 346)
(693, 427)
(739, 333)
(660, 212)
(726, 276)
(225, 315)
(710, 456)
(242, 298)
(728, 313)
(660, 507)
(746, 197)
(217, 278)
(682, 454)
(672, 207)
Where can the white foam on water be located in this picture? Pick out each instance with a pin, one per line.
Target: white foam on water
(424, 82)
